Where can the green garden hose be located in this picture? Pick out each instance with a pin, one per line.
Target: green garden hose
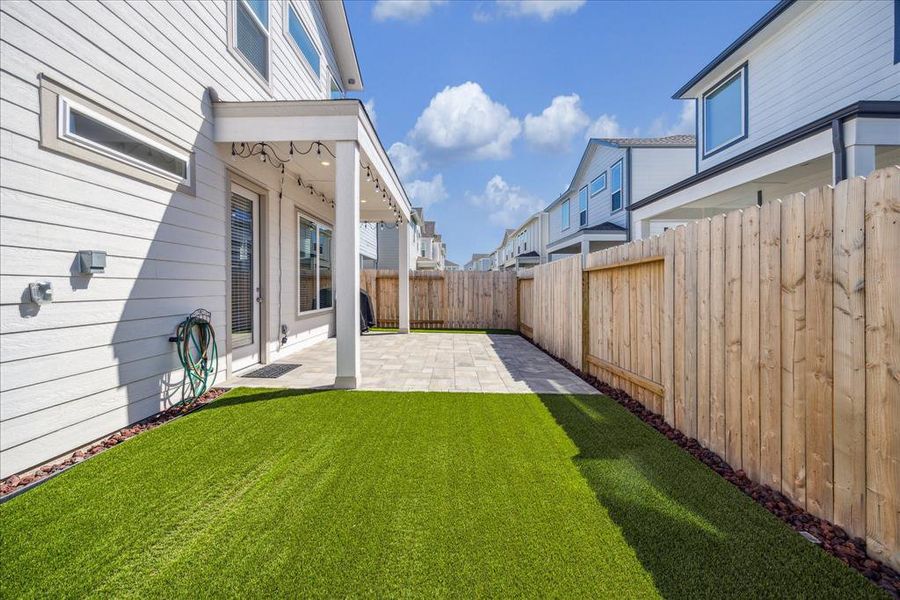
(195, 339)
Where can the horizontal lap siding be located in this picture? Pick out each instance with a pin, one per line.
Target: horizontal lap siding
(823, 76)
(98, 357)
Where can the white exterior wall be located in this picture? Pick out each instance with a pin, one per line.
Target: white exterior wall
(98, 357)
(368, 240)
(830, 56)
(653, 169)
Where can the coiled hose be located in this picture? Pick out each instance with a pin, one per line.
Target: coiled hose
(195, 339)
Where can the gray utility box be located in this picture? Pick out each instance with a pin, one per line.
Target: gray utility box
(92, 261)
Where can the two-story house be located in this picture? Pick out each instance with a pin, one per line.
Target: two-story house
(160, 158)
(432, 249)
(591, 214)
(479, 262)
(525, 246)
(808, 96)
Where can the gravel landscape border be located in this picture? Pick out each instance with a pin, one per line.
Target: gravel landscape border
(15, 485)
(831, 538)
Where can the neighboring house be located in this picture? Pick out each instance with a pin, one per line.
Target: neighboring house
(479, 262)
(612, 174)
(388, 242)
(449, 265)
(432, 250)
(527, 244)
(808, 96)
(158, 136)
(368, 245)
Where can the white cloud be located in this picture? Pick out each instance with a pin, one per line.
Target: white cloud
(403, 10)
(607, 126)
(463, 121)
(425, 193)
(370, 109)
(407, 160)
(555, 127)
(542, 9)
(684, 124)
(506, 205)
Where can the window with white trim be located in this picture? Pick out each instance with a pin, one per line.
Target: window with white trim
(85, 127)
(314, 265)
(583, 206)
(303, 41)
(598, 184)
(251, 34)
(725, 112)
(564, 216)
(615, 175)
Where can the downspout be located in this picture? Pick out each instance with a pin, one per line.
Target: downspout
(839, 161)
(628, 194)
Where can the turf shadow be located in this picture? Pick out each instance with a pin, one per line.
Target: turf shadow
(697, 535)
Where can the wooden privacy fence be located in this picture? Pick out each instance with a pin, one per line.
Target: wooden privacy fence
(445, 299)
(771, 334)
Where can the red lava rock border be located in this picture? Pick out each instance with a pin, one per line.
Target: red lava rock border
(18, 483)
(833, 539)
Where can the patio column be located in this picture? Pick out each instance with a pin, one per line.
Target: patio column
(346, 253)
(403, 275)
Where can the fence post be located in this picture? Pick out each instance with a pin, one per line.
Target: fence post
(585, 320)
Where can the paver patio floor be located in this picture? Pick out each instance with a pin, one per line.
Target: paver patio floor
(442, 362)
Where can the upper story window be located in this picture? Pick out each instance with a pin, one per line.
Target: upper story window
(564, 215)
(615, 174)
(582, 206)
(598, 184)
(336, 92)
(303, 42)
(725, 112)
(251, 34)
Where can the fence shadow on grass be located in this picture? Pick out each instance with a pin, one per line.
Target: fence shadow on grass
(696, 534)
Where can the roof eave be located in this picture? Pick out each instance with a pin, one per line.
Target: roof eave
(745, 37)
(341, 37)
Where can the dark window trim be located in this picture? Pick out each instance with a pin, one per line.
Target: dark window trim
(869, 108)
(612, 191)
(744, 71)
(757, 27)
(896, 31)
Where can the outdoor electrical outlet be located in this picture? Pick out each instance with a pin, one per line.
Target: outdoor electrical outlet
(41, 292)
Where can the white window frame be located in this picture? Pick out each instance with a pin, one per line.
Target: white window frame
(66, 105)
(565, 207)
(235, 51)
(621, 189)
(600, 176)
(741, 73)
(319, 227)
(288, 7)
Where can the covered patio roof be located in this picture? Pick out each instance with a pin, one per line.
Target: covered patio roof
(331, 149)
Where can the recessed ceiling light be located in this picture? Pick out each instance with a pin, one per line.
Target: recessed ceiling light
(363, 201)
(325, 163)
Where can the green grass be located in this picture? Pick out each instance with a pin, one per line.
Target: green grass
(451, 330)
(278, 493)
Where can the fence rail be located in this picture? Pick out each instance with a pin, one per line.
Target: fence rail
(771, 334)
(445, 299)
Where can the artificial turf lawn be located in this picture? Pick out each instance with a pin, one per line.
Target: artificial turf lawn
(280, 493)
(451, 330)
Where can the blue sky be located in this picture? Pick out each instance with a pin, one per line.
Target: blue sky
(486, 106)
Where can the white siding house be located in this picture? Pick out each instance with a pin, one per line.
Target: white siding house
(389, 245)
(479, 262)
(195, 144)
(525, 246)
(808, 96)
(613, 173)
